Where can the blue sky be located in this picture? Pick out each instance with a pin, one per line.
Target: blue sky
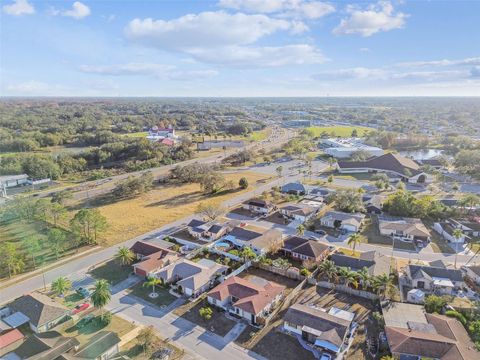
(240, 48)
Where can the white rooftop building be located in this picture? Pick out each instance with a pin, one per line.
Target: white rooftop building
(343, 148)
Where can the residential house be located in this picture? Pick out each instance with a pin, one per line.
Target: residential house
(374, 204)
(434, 279)
(151, 264)
(435, 163)
(299, 213)
(143, 249)
(246, 299)
(446, 229)
(13, 180)
(392, 164)
(327, 330)
(41, 312)
(191, 278)
(303, 249)
(473, 272)
(404, 229)
(294, 188)
(44, 346)
(102, 346)
(375, 262)
(260, 243)
(342, 220)
(469, 227)
(412, 334)
(258, 206)
(197, 228)
(9, 340)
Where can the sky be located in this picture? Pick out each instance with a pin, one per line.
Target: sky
(233, 48)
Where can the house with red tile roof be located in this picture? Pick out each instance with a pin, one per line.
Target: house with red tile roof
(246, 299)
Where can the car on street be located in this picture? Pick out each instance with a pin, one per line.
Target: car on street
(85, 293)
(80, 308)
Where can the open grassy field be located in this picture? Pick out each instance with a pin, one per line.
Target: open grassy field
(17, 232)
(260, 135)
(341, 131)
(140, 134)
(163, 205)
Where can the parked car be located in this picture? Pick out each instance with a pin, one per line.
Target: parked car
(326, 356)
(80, 307)
(321, 232)
(85, 293)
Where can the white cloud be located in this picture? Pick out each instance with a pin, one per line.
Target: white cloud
(285, 8)
(467, 61)
(223, 38)
(268, 56)
(376, 18)
(78, 11)
(127, 69)
(149, 69)
(19, 7)
(367, 74)
(206, 29)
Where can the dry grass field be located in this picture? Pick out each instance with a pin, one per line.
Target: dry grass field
(165, 204)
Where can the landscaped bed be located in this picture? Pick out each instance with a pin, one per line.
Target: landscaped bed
(112, 271)
(277, 345)
(84, 333)
(163, 299)
(218, 324)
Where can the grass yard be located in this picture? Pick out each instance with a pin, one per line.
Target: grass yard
(160, 206)
(112, 271)
(275, 343)
(218, 324)
(139, 134)
(17, 232)
(83, 334)
(164, 297)
(341, 131)
(134, 349)
(260, 135)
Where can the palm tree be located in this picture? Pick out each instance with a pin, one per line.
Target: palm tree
(328, 269)
(300, 229)
(101, 295)
(350, 278)
(381, 283)
(343, 272)
(152, 281)
(353, 240)
(457, 234)
(61, 285)
(469, 201)
(364, 277)
(125, 255)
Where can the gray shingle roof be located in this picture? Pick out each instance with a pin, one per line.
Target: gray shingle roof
(430, 271)
(39, 308)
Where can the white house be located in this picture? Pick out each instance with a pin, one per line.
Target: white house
(343, 221)
(300, 213)
(246, 299)
(434, 279)
(446, 230)
(404, 229)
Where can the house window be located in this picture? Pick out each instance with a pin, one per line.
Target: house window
(421, 284)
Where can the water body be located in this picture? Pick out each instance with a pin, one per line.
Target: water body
(423, 154)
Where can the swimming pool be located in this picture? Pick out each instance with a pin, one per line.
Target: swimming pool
(223, 246)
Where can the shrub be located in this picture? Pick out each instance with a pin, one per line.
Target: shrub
(206, 312)
(305, 272)
(435, 304)
(243, 183)
(106, 318)
(456, 315)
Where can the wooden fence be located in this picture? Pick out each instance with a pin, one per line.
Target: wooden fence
(347, 290)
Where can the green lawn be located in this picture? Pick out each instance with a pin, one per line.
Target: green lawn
(84, 333)
(137, 134)
(164, 297)
(259, 135)
(112, 271)
(17, 232)
(341, 131)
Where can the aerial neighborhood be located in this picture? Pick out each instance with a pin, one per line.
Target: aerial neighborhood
(344, 252)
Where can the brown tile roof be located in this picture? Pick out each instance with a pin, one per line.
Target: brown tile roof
(310, 248)
(251, 297)
(333, 329)
(39, 308)
(145, 249)
(388, 162)
(156, 261)
(449, 341)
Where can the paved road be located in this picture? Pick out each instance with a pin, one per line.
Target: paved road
(198, 342)
(91, 189)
